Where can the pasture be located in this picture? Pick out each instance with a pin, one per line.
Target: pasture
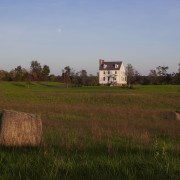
(95, 132)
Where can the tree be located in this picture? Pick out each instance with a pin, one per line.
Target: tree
(92, 80)
(3, 75)
(18, 73)
(12, 75)
(52, 77)
(137, 77)
(130, 72)
(176, 76)
(80, 78)
(45, 72)
(66, 74)
(162, 73)
(162, 70)
(36, 70)
(153, 76)
(76, 80)
(67, 70)
(18, 69)
(83, 77)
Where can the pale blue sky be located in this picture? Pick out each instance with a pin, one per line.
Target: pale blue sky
(145, 33)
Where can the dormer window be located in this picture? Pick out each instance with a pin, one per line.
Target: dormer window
(116, 65)
(104, 66)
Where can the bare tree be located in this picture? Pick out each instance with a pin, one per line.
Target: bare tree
(153, 76)
(130, 72)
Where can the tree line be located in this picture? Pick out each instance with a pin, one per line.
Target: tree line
(70, 77)
(157, 76)
(37, 72)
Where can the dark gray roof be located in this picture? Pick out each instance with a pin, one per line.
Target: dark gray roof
(115, 65)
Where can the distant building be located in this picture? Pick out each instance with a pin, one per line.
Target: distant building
(112, 73)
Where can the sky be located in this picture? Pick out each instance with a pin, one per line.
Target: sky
(77, 33)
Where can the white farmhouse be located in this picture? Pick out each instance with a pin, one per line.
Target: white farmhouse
(112, 73)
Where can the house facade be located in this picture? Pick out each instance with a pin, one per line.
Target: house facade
(112, 73)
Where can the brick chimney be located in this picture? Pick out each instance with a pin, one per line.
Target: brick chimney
(101, 61)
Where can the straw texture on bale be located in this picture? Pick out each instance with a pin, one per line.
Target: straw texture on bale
(20, 129)
(177, 115)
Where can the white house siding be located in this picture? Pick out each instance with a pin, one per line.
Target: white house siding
(119, 75)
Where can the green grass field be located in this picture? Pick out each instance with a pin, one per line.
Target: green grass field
(95, 132)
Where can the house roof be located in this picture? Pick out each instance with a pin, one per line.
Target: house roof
(115, 65)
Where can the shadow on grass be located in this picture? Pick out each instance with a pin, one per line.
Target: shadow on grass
(17, 149)
(25, 84)
(53, 86)
(19, 84)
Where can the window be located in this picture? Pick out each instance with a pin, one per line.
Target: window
(108, 72)
(116, 65)
(104, 78)
(104, 72)
(104, 66)
(115, 72)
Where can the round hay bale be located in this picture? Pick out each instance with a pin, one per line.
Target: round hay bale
(20, 129)
(177, 113)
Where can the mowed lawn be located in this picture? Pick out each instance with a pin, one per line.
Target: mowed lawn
(95, 132)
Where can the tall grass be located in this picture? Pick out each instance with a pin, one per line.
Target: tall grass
(96, 132)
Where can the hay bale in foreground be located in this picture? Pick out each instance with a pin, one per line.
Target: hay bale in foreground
(20, 129)
(177, 113)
